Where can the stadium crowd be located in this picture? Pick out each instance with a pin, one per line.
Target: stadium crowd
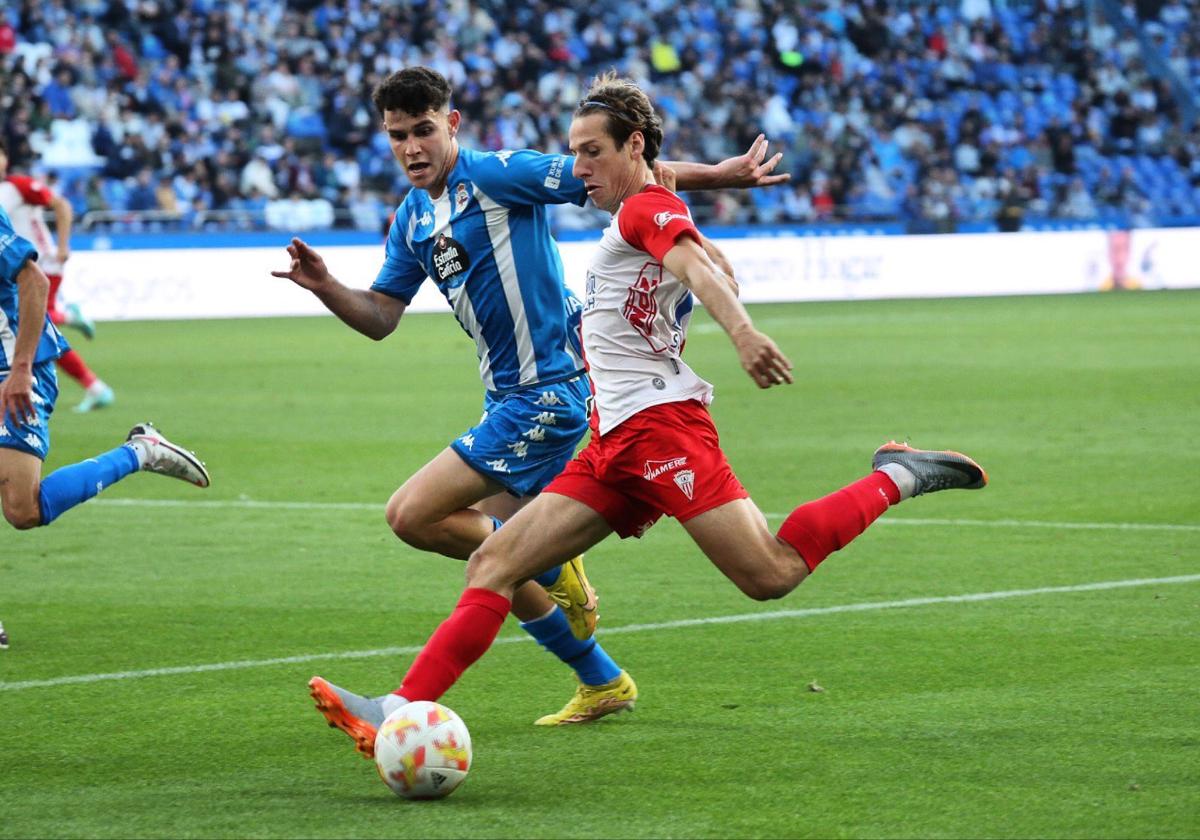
(258, 111)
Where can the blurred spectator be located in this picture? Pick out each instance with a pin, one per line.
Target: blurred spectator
(144, 194)
(901, 110)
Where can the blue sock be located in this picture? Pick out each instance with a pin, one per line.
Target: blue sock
(548, 577)
(585, 656)
(76, 483)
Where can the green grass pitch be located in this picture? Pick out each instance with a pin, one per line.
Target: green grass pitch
(1072, 712)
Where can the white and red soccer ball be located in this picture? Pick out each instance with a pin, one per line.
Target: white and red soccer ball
(423, 751)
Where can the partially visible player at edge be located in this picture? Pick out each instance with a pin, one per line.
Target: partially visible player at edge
(477, 224)
(29, 346)
(654, 449)
(24, 198)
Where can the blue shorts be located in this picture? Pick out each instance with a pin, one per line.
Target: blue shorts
(34, 437)
(525, 438)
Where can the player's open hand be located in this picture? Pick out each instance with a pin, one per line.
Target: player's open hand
(762, 359)
(16, 397)
(753, 169)
(307, 269)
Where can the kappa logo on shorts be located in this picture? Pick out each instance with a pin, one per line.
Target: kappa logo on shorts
(654, 469)
(685, 480)
(468, 440)
(519, 448)
(537, 434)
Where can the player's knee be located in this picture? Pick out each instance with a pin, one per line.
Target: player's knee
(405, 523)
(486, 568)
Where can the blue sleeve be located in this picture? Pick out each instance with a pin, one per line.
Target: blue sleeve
(401, 273)
(15, 251)
(528, 177)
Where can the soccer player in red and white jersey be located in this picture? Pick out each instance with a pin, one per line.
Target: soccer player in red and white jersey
(654, 449)
(24, 198)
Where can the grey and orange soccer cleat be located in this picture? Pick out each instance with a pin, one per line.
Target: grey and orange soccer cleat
(933, 470)
(359, 717)
(165, 458)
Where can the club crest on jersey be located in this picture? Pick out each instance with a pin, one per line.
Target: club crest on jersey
(641, 305)
(450, 261)
(462, 197)
(685, 480)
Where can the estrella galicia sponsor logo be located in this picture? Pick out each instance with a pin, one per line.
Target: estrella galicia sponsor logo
(450, 261)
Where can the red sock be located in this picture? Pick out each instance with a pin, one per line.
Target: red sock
(455, 645)
(817, 529)
(77, 368)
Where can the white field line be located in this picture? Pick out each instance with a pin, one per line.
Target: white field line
(377, 507)
(239, 665)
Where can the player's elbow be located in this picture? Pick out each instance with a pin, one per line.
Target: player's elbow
(22, 517)
(383, 324)
(33, 280)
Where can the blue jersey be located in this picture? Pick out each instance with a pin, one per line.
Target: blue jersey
(15, 251)
(486, 243)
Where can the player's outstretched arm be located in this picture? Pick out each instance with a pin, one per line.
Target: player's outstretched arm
(373, 314)
(752, 169)
(759, 355)
(665, 177)
(16, 392)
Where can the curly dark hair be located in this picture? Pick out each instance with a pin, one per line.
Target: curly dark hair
(413, 90)
(628, 110)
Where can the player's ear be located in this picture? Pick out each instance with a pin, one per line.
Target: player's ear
(453, 119)
(636, 144)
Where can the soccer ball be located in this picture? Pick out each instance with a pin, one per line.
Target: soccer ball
(423, 751)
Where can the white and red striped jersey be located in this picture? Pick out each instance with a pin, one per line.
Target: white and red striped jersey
(23, 198)
(636, 313)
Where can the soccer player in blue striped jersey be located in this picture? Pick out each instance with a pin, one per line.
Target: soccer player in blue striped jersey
(29, 346)
(476, 223)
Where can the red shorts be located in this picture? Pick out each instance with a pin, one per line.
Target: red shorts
(664, 459)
